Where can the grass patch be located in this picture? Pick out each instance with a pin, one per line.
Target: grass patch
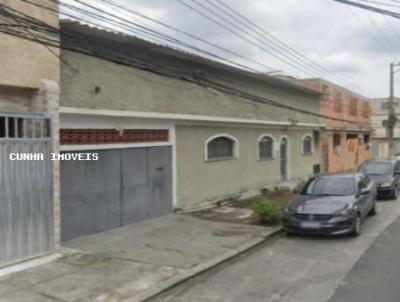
(268, 211)
(268, 207)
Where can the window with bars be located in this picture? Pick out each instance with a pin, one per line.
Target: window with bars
(266, 148)
(221, 147)
(14, 127)
(307, 145)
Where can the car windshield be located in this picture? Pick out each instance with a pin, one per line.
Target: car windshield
(376, 168)
(329, 186)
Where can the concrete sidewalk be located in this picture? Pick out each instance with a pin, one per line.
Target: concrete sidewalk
(133, 263)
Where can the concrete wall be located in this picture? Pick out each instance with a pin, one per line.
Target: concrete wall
(101, 84)
(24, 63)
(201, 183)
(125, 88)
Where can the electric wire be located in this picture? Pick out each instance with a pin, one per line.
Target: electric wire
(139, 62)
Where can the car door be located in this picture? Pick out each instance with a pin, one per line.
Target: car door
(371, 195)
(396, 174)
(362, 199)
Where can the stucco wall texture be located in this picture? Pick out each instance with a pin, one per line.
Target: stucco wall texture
(126, 88)
(203, 182)
(101, 84)
(25, 63)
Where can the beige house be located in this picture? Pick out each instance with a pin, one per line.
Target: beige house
(380, 114)
(29, 213)
(169, 142)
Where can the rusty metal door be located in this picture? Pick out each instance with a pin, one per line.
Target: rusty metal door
(26, 208)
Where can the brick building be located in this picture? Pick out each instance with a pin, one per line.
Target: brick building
(344, 144)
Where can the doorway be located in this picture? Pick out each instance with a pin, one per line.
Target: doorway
(284, 148)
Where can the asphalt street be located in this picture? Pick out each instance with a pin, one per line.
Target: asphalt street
(297, 269)
(376, 276)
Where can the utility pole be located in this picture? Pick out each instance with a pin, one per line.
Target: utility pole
(392, 119)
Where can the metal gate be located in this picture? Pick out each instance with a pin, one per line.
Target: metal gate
(122, 187)
(26, 208)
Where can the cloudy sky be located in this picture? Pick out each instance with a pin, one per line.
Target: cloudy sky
(353, 45)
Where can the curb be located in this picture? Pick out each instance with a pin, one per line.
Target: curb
(203, 267)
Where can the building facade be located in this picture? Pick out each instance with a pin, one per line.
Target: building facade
(344, 144)
(174, 142)
(380, 114)
(29, 203)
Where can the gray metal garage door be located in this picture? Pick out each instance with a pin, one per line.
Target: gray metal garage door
(122, 187)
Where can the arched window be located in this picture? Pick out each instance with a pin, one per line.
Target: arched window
(221, 147)
(265, 147)
(307, 145)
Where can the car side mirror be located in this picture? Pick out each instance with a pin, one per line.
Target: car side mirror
(365, 191)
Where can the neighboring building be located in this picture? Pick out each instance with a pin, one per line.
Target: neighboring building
(344, 144)
(29, 214)
(167, 142)
(380, 114)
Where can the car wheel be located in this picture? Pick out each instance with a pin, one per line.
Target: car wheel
(394, 194)
(374, 209)
(356, 226)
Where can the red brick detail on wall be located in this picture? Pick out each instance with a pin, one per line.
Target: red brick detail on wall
(111, 136)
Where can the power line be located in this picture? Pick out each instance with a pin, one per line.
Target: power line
(84, 44)
(228, 28)
(394, 29)
(126, 9)
(270, 38)
(386, 40)
(366, 29)
(371, 8)
(382, 3)
(135, 28)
